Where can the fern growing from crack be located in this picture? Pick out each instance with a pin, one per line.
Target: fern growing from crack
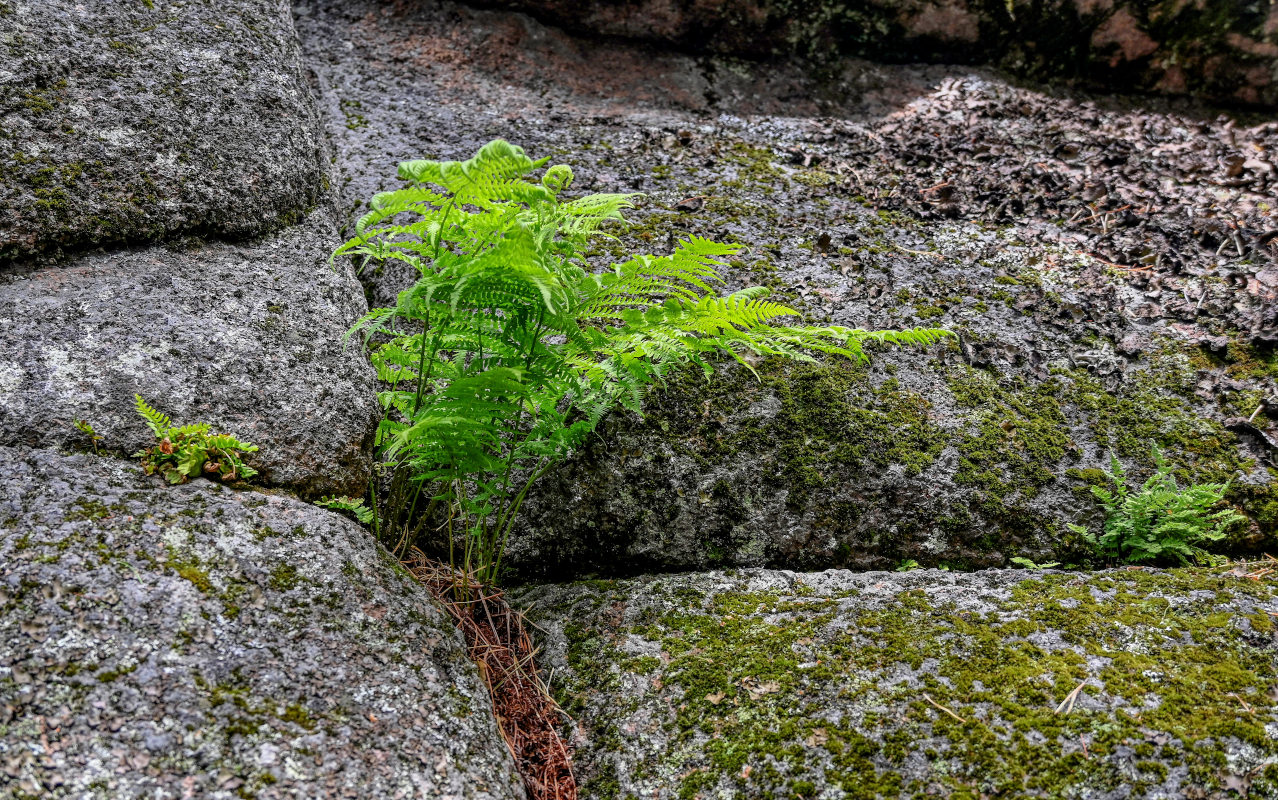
(511, 345)
(189, 451)
(1159, 522)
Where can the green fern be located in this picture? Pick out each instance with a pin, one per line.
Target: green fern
(190, 451)
(511, 346)
(352, 505)
(157, 422)
(1027, 563)
(84, 427)
(1160, 522)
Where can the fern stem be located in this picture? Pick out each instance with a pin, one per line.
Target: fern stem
(372, 493)
(511, 515)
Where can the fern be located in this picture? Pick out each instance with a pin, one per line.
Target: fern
(157, 422)
(352, 505)
(190, 451)
(1160, 522)
(1027, 563)
(511, 346)
(86, 428)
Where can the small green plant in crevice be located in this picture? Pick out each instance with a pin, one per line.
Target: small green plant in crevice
(511, 345)
(1027, 563)
(908, 565)
(352, 505)
(84, 427)
(1159, 522)
(189, 451)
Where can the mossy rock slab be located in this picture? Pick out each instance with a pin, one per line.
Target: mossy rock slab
(198, 641)
(1139, 684)
(128, 120)
(247, 338)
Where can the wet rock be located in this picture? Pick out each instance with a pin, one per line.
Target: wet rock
(777, 684)
(198, 641)
(1224, 50)
(130, 121)
(247, 338)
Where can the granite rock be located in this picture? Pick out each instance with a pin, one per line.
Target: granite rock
(246, 337)
(129, 121)
(757, 683)
(196, 641)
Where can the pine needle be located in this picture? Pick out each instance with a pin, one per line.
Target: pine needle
(928, 698)
(1067, 705)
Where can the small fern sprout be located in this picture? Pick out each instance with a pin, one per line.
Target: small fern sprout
(189, 451)
(84, 427)
(511, 345)
(1159, 522)
(352, 505)
(1027, 563)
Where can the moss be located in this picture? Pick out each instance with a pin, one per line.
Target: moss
(284, 577)
(189, 568)
(252, 713)
(113, 674)
(87, 509)
(832, 419)
(754, 164)
(1147, 411)
(926, 311)
(43, 100)
(354, 120)
(198, 578)
(298, 715)
(1020, 433)
(759, 675)
(603, 784)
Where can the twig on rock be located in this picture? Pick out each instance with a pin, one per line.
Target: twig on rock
(1067, 705)
(928, 698)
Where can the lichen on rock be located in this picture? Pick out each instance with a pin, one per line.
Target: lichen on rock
(126, 121)
(157, 640)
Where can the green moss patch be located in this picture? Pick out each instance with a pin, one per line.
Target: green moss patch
(920, 688)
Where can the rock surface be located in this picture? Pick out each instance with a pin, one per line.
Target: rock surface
(194, 641)
(1110, 269)
(1226, 50)
(129, 121)
(247, 338)
(921, 684)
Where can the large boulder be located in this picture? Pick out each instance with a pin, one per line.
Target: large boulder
(248, 338)
(1226, 50)
(128, 121)
(195, 641)
(1100, 308)
(1112, 290)
(755, 684)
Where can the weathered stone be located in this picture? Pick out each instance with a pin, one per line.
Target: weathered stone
(196, 641)
(991, 684)
(1225, 50)
(1101, 303)
(245, 337)
(128, 120)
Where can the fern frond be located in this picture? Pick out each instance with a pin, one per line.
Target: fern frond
(225, 441)
(158, 423)
(510, 347)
